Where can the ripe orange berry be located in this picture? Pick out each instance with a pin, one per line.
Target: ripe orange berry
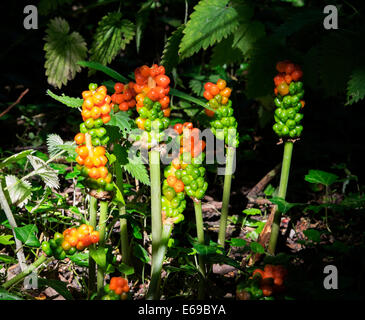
(162, 80)
(103, 172)
(102, 90)
(103, 160)
(118, 290)
(80, 138)
(83, 152)
(145, 71)
(283, 88)
(86, 114)
(119, 87)
(106, 118)
(105, 109)
(296, 75)
(214, 89)
(79, 160)
(221, 84)
(66, 245)
(88, 102)
(209, 113)
(124, 106)
(281, 65)
(289, 68)
(207, 95)
(224, 100)
(98, 98)
(176, 163)
(96, 161)
(86, 94)
(166, 112)
(95, 237)
(72, 240)
(226, 92)
(94, 173)
(99, 151)
(288, 78)
(165, 101)
(80, 246)
(140, 123)
(95, 112)
(171, 180)
(179, 186)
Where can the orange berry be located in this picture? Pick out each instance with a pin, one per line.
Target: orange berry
(226, 92)
(96, 161)
(179, 186)
(165, 101)
(281, 65)
(288, 78)
(296, 75)
(207, 95)
(267, 290)
(105, 109)
(176, 163)
(214, 89)
(289, 68)
(102, 90)
(83, 229)
(162, 80)
(95, 112)
(283, 88)
(171, 180)
(103, 160)
(221, 84)
(166, 112)
(89, 162)
(86, 94)
(209, 113)
(119, 87)
(303, 103)
(126, 288)
(224, 100)
(88, 102)
(106, 118)
(208, 85)
(83, 152)
(80, 246)
(66, 245)
(66, 232)
(103, 172)
(124, 106)
(99, 151)
(94, 173)
(86, 114)
(98, 98)
(145, 71)
(79, 160)
(118, 290)
(95, 237)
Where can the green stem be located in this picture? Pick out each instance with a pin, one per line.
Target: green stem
(102, 228)
(285, 169)
(156, 219)
(157, 262)
(226, 195)
(200, 235)
(124, 235)
(28, 270)
(93, 208)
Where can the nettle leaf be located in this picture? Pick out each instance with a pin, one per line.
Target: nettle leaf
(356, 86)
(211, 21)
(196, 86)
(5, 239)
(19, 191)
(319, 176)
(112, 35)
(121, 120)
(45, 172)
(63, 50)
(247, 34)
(138, 170)
(66, 100)
(55, 145)
(225, 53)
(28, 235)
(170, 56)
(15, 158)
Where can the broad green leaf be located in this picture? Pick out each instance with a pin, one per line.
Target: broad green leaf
(319, 176)
(5, 295)
(356, 86)
(108, 71)
(237, 242)
(7, 259)
(112, 36)
(170, 57)
(99, 256)
(225, 53)
(247, 34)
(55, 145)
(269, 190)
(257, 247)
(185, 96)
(211, 21)
(63, 50)
(313, 235)
(19, 191)
(68, 101)
(252, 211)
(59, 286)
(28, 235)
(80, 258)
(5, 239)
(141, 253)
(125, 269)
(59, 167)
(15, 158)
(120, 120)
(283, 206)
(47, 174)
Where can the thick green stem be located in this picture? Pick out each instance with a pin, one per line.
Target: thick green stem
(226, 195)
(285, 169)
(200, 235)
(156, 218)
(102, 226)
(157, 262)
(93, 208)
(28, 270)
(124, 235)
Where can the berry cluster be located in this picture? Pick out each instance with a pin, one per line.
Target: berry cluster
(70, 241)
(117, 289)
(224, 124)
(123, 97)
(185, 174)
(90, 151)
(288, 101)
(152, 89)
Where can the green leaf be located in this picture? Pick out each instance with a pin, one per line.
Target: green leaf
(112, 36)
(5, 295)
(19, 191)
(46, 6)
(141, 253)
(313, 235)
(80, 258)
(28, 235)
(283, 206)
(211, 21)
(99, 256)
(141, 21)
(125, 269)
(247, 34)
(68, 101)
(356, 86)
(7, 259)
(319, 176)
(138, 170)
(225, 53)
(120, 120)
(59, 286)
(269, 190)
(252, 211)
(55, 145)
(47, 174)
(5, 239)
(15, 158)
(257, 247)
(237, 242)
(196, 86)
(108, 71)
(185, 96)
(63, 50)
(170, 56)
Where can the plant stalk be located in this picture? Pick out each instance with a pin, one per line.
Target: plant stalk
(93, 208)
(102, 228)
(285, 169)
(200, 236)
(226, 195)
(157, 262)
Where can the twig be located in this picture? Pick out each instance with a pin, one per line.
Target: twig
(15, 103)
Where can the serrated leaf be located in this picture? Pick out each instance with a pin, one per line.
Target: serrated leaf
(225, 53)
(15, 158)
(211, 21)
(108, 71)
(120, 120)
(55, 145)
(112, 35)
(5, 239)
(59, 286)
(63, 50)
(28, 235)
(170, 57)
(45, 172)
(137, 169)
(66, 100)
(247, 34)
(356, 86)
(196, 86)
(319, 176)
(19, 191)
